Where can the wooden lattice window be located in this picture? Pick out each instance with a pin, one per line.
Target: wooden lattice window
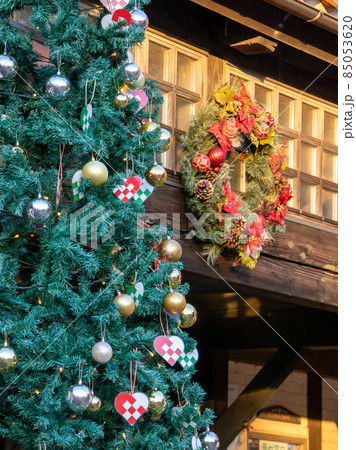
(181, 73)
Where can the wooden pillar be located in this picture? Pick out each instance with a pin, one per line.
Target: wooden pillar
(314, 393)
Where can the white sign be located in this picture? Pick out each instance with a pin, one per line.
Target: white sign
(269, 445)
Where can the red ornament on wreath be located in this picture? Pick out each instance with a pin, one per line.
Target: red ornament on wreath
(201, 163)
(217, 156)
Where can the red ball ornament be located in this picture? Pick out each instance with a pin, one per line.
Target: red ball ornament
(217, 156)
(201, 163)
(216, 169)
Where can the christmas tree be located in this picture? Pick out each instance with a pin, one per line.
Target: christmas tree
(93, 352)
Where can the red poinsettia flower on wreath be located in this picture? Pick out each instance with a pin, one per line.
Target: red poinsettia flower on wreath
(280, 207)
(244, 122)
(218, 129)
(231, 204)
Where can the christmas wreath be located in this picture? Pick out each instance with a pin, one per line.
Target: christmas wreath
(231, 125)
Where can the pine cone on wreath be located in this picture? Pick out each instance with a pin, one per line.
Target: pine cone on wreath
(210, 176)
(203, 189)
(280, 182)
(235, 233)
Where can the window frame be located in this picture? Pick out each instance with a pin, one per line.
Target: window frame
(171, 90)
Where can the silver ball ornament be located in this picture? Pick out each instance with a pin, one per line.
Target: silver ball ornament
(8, 67)
(58, 87)
(102, 352)
(209, 440)
(8, 359)
(131, 72)
(78, 397)
(39, 209)
(138, 84)
(139, 18)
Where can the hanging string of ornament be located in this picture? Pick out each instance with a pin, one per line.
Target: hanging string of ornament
(232, 128)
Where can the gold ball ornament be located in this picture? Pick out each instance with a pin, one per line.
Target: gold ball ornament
(174, 303)
(126, 304)
(138, 84)
(170, 250)
(158, 402)
(95, 403)
(188, 317)
(156, 175)
(165, 140)
(96, 171)
(149, 127)
(174, 278)
(8, 359)
(120, 100)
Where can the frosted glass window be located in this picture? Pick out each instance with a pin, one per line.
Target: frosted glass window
(186, 68)
(184, 111)
(158, 61)
(291, 151)
(309, 120)
(262, 96)
(330, 128)
(329, 204)
(330, 166)
(286, 111)
(309, 161)
(309, 198)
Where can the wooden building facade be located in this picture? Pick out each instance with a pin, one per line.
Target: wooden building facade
(267, 338)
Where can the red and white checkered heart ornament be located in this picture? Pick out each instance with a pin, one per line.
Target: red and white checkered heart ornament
(131, 406)
(113, 5)
(170, 348)
(127, 190)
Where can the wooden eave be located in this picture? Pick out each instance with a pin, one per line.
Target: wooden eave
(301, 268)
(302, 54)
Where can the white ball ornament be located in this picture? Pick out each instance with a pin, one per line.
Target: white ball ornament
(102, 352)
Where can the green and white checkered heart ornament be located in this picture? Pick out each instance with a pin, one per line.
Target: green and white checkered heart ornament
(187, 360)
(143, 192)
(86, 116)
(196, 443)
(76, 182)
(193, 422)
(136, 292)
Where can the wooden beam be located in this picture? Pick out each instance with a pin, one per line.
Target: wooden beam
(314, 394)
(253, 397)
(266, 30)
